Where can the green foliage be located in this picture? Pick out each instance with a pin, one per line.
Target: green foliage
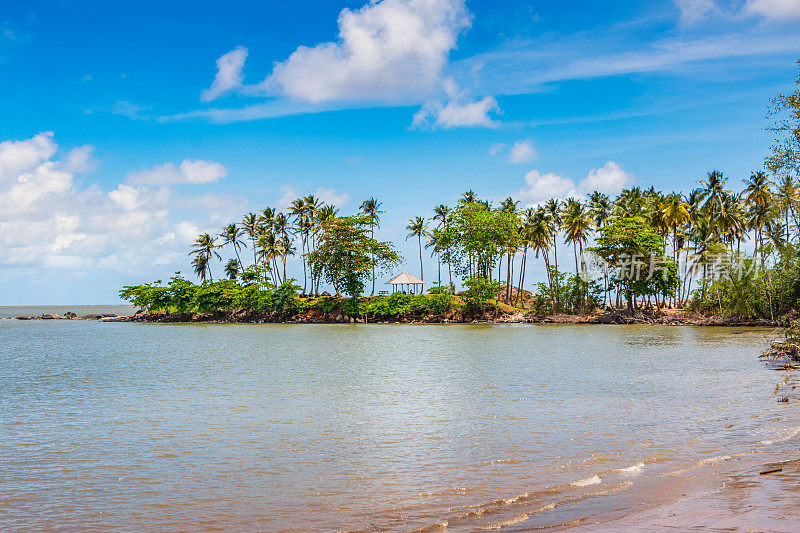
(442, 289)
(566, 294)
(346, 254)
(284, 298)
(746, 291)
(182, 296)
(474, 237)
(481, 294)
(634, 252)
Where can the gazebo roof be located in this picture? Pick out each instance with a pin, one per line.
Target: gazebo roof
(405, 279)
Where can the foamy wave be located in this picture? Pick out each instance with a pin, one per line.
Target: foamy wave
(594, 480)
(635, 469)
(793, 433)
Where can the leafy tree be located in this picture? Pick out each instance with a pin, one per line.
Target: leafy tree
(785, 150)
(475, 237)
(371, 208)
(346, 253)
(638, 248)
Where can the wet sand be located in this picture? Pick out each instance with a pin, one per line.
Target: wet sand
(748, 501)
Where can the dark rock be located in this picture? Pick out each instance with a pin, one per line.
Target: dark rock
(27, 317)
(50, 316)
(69, 315)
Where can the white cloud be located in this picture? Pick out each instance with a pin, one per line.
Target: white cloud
(696, 10)
(331, 197)
(197, 172)
(125, 196)
(80, 160)
(229, 74)
(393, 50)
(21, 156)
(609, 179)
(541, 187)
(47, 222)
(459, 112)
(497, 148)
(522, 152)
(776, 9)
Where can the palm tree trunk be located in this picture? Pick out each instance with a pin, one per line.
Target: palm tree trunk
(372, 235)
(419, 241)
(575, 249)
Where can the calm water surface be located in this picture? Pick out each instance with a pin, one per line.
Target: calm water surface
(388, 427)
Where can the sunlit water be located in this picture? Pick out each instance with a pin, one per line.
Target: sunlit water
(390, 427)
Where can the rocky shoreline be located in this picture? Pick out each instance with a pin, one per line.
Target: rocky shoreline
(613, 317)
(72, 316)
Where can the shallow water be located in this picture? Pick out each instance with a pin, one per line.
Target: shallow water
(389, 427)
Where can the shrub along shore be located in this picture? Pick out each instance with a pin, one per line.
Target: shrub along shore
(228, 302)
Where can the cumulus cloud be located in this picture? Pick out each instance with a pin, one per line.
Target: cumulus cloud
(540, 187)
(229, 74)
(459, 112)
(610, 178)
(197, 172)
(696, 10)
(393, 50)
(48, 222)
(522, 152)
(21, 156)
(80, 160)
(775, 9)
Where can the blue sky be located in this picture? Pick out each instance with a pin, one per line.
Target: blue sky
(126, 132)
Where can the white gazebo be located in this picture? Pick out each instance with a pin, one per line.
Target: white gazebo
(406, 279)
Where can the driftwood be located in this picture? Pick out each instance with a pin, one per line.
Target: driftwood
(785, 354)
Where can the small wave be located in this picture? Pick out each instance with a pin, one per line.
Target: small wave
(594, 480)
(634, 469)
(793, 433)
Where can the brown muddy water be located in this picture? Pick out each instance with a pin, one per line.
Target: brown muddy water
(375, 427)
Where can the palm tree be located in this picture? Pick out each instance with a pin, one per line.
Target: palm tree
(230, 235)
(509, 205)
(675, 213)
(577, 223)
(788, 195)
(469, 197)
(200, 265)
(371, 209)
(232, 268)
(600, 206)
(712, 190)
(250, 225)
(299, 212)
(313, 205)
(758, 196)
(205, 246)
(540, 235)
(268, 248)
(553, 209)
(440, 213)
(417, 228)
(266, 218)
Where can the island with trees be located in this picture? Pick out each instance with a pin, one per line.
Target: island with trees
(726, 252)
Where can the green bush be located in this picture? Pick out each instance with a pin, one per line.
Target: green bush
(481, 294)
